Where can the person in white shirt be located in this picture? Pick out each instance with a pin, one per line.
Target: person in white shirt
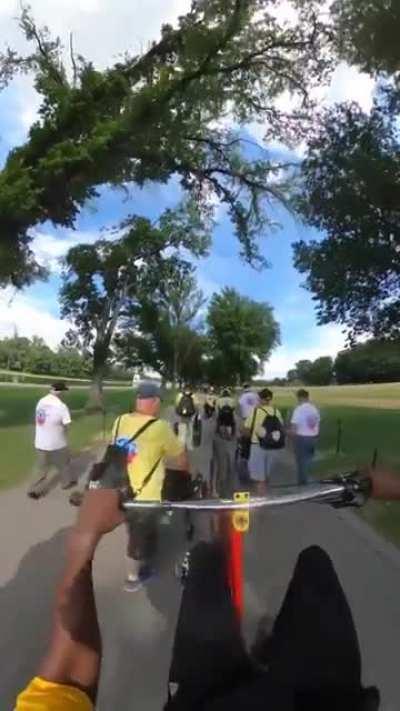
(305, 424)
(248, 401)
(52, 418)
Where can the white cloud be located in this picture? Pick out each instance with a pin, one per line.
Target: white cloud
(49, 249)
(102, 29)
(348, 84)
(318, 341)
(30, 317)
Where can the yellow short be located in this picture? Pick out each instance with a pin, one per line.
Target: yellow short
(42, 695)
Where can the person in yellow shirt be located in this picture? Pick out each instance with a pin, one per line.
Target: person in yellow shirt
(148, 441)
(264, 454)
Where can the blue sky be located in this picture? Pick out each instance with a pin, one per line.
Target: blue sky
(36, 310)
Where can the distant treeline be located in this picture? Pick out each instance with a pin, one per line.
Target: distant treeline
(19, 354)
(375, 361)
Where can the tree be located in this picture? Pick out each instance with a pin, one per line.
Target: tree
(368, 34)
(371, 362)
(351, 191)
(242, 335)
(321, 372)
(157, 115)
(104, 283)
(352, 182)
(303, 368)
(292, 376)
(166, 338)
(317, 372)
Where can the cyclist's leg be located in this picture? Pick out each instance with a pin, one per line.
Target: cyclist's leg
(314, 643)
(208, 650)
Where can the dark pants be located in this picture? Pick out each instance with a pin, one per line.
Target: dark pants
(142, 535)
(313, 655)
(304, 450)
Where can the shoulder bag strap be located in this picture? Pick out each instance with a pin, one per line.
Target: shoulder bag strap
(147, 479)
(142, 429)
(117, 428)
(253, 423)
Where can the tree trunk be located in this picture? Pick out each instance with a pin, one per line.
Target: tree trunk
(95, 401)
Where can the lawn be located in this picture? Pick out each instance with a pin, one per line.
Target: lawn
(17, 406)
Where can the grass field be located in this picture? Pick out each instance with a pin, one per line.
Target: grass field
(17, 406)
(369, 415)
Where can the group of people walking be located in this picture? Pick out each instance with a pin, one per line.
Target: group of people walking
(258, 425)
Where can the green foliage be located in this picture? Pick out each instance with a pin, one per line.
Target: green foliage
(372, 362)
(166, 339)
(368, 34)
(153, 116)
(351, 191)
(34, 356)
(317, 372)
(242, 335)
(352, 183)
(112, 286)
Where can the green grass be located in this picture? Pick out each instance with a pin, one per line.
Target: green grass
(17, 406)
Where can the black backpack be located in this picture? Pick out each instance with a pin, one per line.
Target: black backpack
(226, 416)
(186, 406)
(274, 432)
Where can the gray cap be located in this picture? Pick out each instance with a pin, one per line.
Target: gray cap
(147, 390)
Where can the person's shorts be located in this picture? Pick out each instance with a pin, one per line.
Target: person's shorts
(261, 462)
(58, 459)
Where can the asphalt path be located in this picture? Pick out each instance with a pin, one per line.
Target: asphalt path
(138, 629)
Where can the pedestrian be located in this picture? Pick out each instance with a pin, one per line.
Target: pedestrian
(304, 427)
(187, 410)
(148, 441)
(264, 426)
(248, 401)
(52, 419)
(226, 422)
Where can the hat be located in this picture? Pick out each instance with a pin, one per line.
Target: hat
(59, 386)
(148, 390)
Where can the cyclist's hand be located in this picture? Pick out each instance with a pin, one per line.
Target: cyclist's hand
(385, 484)
(100, 512)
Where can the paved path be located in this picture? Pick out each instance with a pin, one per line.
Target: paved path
(138, 629)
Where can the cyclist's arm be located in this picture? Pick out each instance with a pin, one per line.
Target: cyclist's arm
(74, 655)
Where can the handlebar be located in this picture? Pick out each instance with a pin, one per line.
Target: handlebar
(347, 490)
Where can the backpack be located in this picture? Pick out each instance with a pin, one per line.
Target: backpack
(274, 432)
(208, 409)
(226, 417)
(112, 471)
(185, 407)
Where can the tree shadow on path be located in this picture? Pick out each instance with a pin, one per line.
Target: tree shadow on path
(26, 604)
